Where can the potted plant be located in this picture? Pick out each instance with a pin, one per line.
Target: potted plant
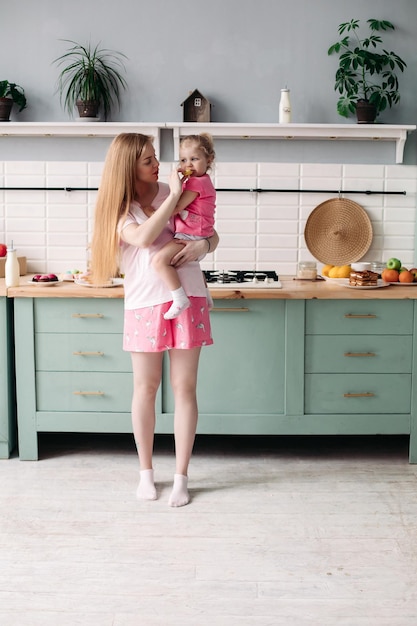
(10, 94)
(366, 77)
(91, 78)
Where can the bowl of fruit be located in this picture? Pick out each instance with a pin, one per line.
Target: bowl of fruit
(395, 273)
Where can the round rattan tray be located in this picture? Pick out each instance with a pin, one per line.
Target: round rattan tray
(338, 232)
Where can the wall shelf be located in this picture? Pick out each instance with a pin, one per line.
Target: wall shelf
(329, 132)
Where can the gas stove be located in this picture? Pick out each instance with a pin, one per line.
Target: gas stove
(244, 279)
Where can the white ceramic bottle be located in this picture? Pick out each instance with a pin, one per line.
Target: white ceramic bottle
(285, 107)
(11, 268)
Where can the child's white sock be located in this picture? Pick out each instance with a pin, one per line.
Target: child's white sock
(179, 495)
(179, 304)
(210, 302)
(146, 489)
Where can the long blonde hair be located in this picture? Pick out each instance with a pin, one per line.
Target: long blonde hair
(116, 192)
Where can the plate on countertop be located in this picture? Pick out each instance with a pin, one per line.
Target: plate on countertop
(40, 283)
(380, 283)
(398, 284)
(114, 282)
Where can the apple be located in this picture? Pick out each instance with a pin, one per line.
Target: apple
(414, 272)
(394, 264)
(3, 249)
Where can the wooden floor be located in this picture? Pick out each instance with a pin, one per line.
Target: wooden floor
(280, 531)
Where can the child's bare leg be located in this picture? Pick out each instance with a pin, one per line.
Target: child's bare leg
(162, 264)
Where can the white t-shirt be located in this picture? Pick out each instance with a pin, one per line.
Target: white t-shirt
(142, 284)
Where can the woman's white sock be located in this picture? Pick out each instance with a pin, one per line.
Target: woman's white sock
(146, 489)
(180, 302)
(179, 495)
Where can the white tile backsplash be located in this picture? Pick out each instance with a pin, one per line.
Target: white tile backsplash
(257, 230)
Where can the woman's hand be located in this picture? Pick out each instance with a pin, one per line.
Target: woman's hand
(189, 251)
(175, 184)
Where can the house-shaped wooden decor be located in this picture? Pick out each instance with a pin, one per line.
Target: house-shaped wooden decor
(196, 108)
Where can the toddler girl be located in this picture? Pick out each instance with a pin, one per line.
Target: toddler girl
(194, 214)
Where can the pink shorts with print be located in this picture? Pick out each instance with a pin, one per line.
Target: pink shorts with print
(146, 330)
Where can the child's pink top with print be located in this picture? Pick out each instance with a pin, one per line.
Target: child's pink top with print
(143, 286)
(200, 218)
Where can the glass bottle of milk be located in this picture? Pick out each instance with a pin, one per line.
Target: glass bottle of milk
(285, 107)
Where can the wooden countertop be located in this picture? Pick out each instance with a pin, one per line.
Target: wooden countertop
(291, 290)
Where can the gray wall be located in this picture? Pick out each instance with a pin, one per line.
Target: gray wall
(238, 53)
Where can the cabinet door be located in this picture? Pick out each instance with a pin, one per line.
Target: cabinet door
(243, 372)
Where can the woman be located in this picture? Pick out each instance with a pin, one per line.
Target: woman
(133, 221)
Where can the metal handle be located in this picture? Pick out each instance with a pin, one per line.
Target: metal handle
(242, 309)
(360, 354)
(368, 316)
(95, 315)
(88, 393)
(359, 395)
(88, 353)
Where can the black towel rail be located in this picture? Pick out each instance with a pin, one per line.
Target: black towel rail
(339, 192)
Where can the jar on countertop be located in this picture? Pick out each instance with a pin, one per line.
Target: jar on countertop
(307, 270)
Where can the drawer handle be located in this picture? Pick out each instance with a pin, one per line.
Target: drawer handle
(360, 354)
(242, 309)
(359, 395)
(368, 316)
(88, 353)
(95, 315)
(88, 393)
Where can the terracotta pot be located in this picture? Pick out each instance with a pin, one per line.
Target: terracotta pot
(6, 105)
(89, 108)
(365, 112)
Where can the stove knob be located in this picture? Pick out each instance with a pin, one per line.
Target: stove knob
(255, 280)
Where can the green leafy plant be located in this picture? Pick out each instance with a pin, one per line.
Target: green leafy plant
(92, 74)
(366, 70)
(14, 92)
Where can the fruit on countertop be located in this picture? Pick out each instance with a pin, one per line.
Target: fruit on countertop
(390, 275)
(406, 276)
(393, 264)
(336, 271)
(45, 278)
(3, 249)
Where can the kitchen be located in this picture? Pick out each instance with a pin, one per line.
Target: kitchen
(261, 231)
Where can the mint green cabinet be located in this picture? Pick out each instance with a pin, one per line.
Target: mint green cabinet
(242, 377)
(71, 372)
(279, 367)
(7, 395)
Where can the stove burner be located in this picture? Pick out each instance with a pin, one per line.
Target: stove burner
(239, 276)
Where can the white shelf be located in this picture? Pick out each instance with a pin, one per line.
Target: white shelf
(330, 132)
(80, 129)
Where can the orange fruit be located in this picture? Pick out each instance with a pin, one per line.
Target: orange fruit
(325, 269)
(390, 276)
(406, 277)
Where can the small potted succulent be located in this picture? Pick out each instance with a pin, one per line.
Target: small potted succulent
(366, 77)
(10, 94)
(91, 78)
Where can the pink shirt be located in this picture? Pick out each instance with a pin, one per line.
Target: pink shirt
(142, 285)
(199, 221)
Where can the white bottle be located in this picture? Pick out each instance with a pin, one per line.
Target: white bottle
(285, 107)
(11, 268)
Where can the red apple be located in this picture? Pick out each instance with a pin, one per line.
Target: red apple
(414, 272)
(3, 249)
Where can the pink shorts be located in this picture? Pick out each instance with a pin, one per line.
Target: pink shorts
(146, 330)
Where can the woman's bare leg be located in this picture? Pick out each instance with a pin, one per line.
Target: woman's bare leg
(184, 367)
(147, 372)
